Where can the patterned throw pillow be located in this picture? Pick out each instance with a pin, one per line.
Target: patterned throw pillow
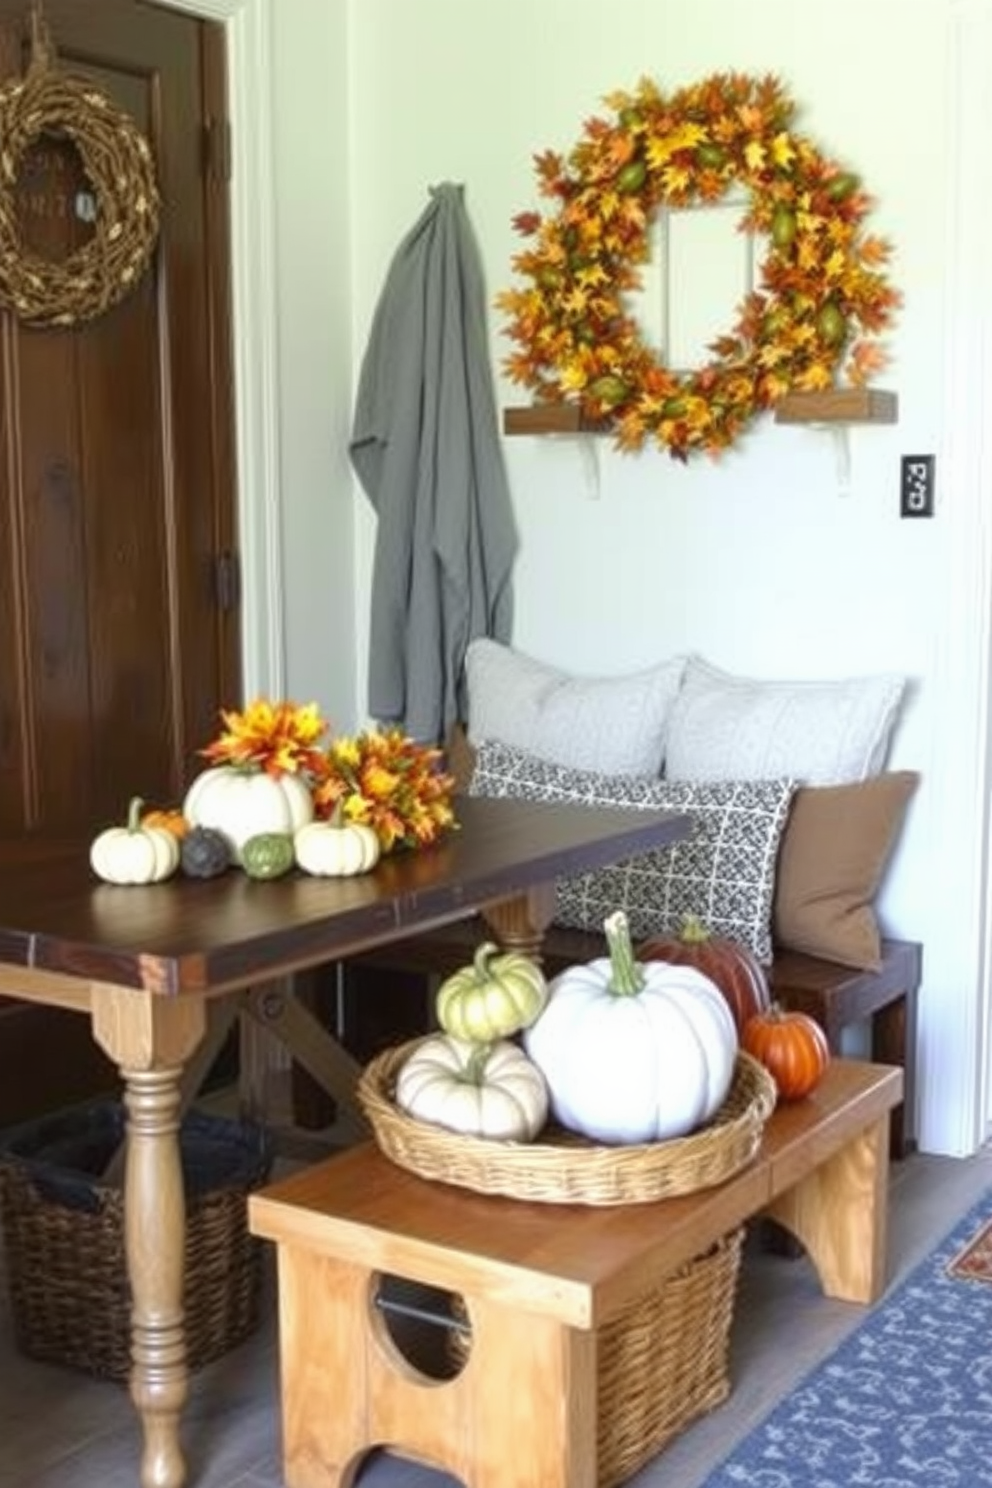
(723, 871)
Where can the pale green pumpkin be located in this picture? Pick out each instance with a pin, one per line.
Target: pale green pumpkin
(494, 997)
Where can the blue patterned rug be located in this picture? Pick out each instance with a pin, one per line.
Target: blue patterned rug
(905, 1401)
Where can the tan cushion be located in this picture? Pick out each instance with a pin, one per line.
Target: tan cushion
(836, 845)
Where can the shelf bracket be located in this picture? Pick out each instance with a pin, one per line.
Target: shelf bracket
(842, 454)
(589, 456)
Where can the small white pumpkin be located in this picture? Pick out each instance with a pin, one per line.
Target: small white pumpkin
(336, 848)
(134, 854)
(631, 1051)
(482, 1090)
(242, 803)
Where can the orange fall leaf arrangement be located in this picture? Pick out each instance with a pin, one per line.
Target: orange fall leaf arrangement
(389, 782)
(381, 778)
(822, 298)
(279, 738)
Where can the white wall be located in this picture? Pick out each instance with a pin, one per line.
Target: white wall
(310, 74)
(291, 264)
(757, 562)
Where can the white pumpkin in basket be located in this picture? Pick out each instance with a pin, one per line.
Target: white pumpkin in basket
(481, 1090)
(634, 1052)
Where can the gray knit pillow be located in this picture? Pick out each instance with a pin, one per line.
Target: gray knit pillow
(723, 871)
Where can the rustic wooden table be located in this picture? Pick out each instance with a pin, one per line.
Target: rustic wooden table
(538, 1281)
(162, 971)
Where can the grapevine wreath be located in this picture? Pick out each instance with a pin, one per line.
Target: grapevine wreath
(118, 164)
(822, 294)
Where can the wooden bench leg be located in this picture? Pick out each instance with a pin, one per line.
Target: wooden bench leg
(893, 1041)
(531, 1384)
(521, 1414)
(839, 1212)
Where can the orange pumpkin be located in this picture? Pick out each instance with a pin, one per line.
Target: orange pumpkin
(169, 819)
(793, 1048)
(733, 967)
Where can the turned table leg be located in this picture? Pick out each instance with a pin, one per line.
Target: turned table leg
(150, 1037)
(519, 924)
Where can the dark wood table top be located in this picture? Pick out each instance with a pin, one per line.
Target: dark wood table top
(191, 936)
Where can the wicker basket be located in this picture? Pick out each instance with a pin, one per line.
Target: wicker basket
(562, 1168)
(63, 1230)
(661, 1363)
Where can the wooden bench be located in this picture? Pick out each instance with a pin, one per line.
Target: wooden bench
(838, 997)
(536, 1291)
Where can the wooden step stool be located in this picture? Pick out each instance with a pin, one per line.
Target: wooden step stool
(540, 1282)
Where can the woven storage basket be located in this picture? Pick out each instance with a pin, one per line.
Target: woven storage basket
(63, 1230)
(661, 1362)
(562, 1168)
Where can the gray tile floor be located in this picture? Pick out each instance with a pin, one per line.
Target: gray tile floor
(62, 1430)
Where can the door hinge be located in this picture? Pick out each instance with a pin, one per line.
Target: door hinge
(217, 149)
(227, 581)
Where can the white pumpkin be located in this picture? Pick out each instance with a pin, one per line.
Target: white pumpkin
(242, 803)
(332, 849)
(134, 854)
(634, 1052)
(482, 1090)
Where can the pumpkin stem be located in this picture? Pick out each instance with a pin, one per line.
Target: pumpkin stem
(627, 975)
(336, 818)
(480, 961)
(694, 930)
(475, 1064)
(135, 807)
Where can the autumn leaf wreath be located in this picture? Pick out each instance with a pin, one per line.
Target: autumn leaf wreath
(822, 298)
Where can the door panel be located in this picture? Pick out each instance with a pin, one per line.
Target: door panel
(117, 485)
(117, 458)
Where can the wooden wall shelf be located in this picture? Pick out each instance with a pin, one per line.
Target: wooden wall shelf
(832, 406)
(839, 406)
(551, 418)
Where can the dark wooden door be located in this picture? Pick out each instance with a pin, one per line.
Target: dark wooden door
(117, 481)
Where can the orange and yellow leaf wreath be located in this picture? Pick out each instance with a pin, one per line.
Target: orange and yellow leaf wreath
(821, 298)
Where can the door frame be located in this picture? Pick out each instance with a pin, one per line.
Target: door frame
(248, 33)
(967, 385)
